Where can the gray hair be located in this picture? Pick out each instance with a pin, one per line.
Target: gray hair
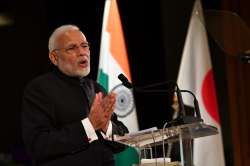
(57, 32)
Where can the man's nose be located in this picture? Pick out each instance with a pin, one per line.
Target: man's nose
(84, 51)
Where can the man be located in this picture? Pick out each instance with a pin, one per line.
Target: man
(65, 116)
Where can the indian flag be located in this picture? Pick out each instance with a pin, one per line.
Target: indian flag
(196, 75)
(114, 61)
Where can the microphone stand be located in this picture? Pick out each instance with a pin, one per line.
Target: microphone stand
(182, 117)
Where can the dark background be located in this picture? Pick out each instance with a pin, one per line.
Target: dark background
(154, 32)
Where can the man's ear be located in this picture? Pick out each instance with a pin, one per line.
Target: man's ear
(53, 58)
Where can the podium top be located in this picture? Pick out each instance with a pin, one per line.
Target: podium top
(170, 134)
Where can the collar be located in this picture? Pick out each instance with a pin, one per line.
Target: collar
(73, 80)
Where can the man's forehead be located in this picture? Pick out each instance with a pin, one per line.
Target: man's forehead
(72, 36)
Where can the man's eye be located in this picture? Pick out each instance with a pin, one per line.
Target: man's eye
(85, 45)
(71, 48)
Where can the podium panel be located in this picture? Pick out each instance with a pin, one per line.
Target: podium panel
(160, 164)
(184, 134)
(171, 134)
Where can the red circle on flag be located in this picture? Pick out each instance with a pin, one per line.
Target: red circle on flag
(209, 96)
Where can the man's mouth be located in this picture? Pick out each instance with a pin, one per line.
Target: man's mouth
(83, 63)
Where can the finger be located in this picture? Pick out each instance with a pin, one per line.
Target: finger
(112, 94)
(99, 95)
(109, 111)
(107, 105)
(96, 102)
(111, 98)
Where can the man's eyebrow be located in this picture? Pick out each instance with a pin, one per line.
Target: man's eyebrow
(73, 43)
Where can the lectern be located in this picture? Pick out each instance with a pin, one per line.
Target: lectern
(184, 134)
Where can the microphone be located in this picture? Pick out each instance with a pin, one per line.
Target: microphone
(182, 118)
(180, 101)
(125, 81)
(196, 104)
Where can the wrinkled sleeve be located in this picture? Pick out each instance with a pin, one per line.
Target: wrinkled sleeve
(43, 138)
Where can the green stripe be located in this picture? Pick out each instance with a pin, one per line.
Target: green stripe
(127, 158)
(103, 79)
(130, 156)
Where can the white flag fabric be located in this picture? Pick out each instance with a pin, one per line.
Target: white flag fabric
(196, 75)
(113, 61)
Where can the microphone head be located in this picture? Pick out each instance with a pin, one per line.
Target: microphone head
(125, 81)
(122, 77)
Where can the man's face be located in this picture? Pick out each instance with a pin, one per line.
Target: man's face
(72, 54)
